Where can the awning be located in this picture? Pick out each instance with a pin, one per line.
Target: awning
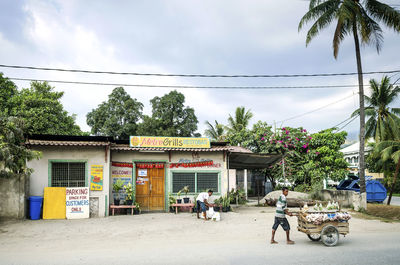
(252, 161)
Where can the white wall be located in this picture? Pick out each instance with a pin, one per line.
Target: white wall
(93, 155)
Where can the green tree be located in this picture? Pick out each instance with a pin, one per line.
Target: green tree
(390, 150)
(13, 152)
(8, 90)
(42, 112)
(169, 117)
(359, 19)
(383, 120)
(215, 132)
(237, 126)
(117, 117)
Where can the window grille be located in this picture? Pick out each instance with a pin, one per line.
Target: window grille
(206, 181)
(68, 174)
(179, 180)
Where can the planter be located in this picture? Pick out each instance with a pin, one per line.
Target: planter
(128, 202)
(136, 211)
(116, 201)
(217, 208)
(226, 209)
(178, 200)
(186, 200)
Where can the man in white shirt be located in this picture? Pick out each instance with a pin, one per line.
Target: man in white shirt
(202, 202)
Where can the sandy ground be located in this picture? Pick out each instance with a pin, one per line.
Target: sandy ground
(241, 237)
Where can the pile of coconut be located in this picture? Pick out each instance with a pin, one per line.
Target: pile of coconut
(294, 199)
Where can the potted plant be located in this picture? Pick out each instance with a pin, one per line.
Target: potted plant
(136, 210)
(185, 189)
(179, 200)
(171, 200)
(117, 186)
(129, 193)
(195, 202)
(217, 203)
(226, 204)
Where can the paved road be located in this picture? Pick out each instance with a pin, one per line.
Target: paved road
(394, 201)
(240, 238)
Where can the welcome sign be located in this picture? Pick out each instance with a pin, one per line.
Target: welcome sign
(169, 142)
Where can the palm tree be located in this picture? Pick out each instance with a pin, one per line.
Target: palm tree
(357, 19)
(383, 120)
(216, 133)
(391, 150)
(240, 121)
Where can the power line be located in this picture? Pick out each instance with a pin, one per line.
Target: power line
(184, 86)
(309, 112)
(192, 75)
(353, 118)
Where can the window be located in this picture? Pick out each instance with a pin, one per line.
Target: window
(68, 174)
(204, 181)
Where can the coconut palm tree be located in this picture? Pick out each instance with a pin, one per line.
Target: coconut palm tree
(360, 19)
(391, 150)
(383, 121)
(240, 121)
(216, 133)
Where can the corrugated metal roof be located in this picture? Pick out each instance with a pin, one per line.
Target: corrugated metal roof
(65, 143)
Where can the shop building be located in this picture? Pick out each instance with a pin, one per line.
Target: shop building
(154, 171)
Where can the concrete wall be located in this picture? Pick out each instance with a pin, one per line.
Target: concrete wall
(92, 155)
(13, 198)
(344, 197)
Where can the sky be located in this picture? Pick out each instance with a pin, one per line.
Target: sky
(191, 37)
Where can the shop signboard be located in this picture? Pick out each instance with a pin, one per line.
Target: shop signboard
(96, 177)
(169, 142)
(77, 203)
(122, 171)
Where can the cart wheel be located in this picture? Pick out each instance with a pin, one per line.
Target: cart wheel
(330, 235)
(314, 237)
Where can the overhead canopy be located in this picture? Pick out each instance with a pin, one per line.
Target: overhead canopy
(252, 161)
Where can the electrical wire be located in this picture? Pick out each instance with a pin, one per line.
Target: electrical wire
(309, 112)
(193, 75)
(184, 86)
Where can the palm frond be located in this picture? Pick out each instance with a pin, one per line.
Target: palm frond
(384, 13)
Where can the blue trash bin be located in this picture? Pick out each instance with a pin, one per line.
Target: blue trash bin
(35, 207)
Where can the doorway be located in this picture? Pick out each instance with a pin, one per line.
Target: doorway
(150, 186)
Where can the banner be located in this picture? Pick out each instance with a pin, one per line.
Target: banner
(169, 142)
(122, 171)
(96, 177)
(77, 203)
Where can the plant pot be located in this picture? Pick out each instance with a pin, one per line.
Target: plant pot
(116, 201)
(128, 202)
(136, 211)
(224, 209)
(186, 200)
(178, 200)
(216, 208)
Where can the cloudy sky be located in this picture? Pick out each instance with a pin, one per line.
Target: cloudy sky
(190, 37)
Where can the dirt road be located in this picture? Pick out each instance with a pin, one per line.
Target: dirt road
(240, 238)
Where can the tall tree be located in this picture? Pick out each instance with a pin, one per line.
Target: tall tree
(215, 132)
(359, 19)
(390, 150)
(7, 91)
(383, 120)
(42, 112)
(237, 126)
(169, 117)
(13, 152)
(118, 116)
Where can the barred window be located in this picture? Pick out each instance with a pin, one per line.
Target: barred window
(68, 174)
(206, 181)
(179, 180)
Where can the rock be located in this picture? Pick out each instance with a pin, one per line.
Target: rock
(294, 199)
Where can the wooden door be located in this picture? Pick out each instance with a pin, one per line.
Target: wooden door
(150, 194)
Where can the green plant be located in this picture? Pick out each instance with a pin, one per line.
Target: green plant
(226, 202)
(129, 191)
(171, 199)
(237, 196)
(179, 194)
(185, 189)
(137, 206)
(117, 186)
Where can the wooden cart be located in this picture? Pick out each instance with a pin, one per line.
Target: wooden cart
(328, 232)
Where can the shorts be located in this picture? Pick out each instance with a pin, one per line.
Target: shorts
(202, 206)
(281, 221)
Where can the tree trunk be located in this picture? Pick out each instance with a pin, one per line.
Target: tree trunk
(361, 167)
(394, 182)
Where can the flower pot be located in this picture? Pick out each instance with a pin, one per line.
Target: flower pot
(216, 208)
(186, 200)
(178, 200)
(128, 202)
(116, 201)
(136, 211)
(224, 209)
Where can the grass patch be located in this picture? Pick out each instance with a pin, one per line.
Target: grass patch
(395, 194)
(387, 212)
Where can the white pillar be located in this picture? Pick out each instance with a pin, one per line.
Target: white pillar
(245, 182)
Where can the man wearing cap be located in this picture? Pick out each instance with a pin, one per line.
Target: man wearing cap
(202, 202)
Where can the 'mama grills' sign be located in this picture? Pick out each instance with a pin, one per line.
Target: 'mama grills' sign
(169, 142)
